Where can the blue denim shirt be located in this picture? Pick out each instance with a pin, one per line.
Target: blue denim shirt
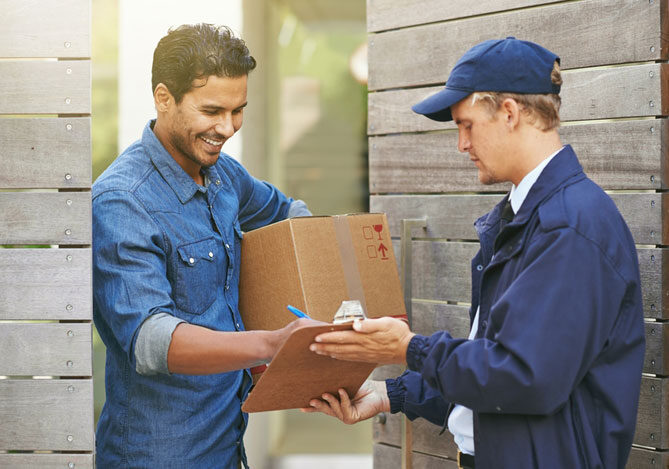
(164, 244)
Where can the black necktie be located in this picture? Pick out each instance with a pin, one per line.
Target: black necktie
(506, 216)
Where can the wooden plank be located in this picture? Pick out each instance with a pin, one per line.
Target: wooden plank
(46, 414)
(45, 87)
(586, 94)
(45, 284)
(442, 269)
(453, 216)
(45, 218)
(46, 349)
(35, 28)
(46, 153)
(425, 55)
(390, 457)
(392, 14)
(46, 461)
(641, 458)
(616, 155)
(429, 317)
(652, 425)
(651, 428)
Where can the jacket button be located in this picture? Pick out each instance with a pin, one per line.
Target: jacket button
(484, 324)
(479, 267)
(227, 287)
(211, 254)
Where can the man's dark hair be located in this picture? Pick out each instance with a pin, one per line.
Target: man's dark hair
(189, 52)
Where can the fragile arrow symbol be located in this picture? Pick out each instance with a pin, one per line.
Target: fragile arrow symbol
(383, 250)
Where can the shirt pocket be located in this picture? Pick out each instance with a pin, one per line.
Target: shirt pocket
(196, 276)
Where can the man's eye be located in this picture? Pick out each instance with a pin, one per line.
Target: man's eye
(209, 112)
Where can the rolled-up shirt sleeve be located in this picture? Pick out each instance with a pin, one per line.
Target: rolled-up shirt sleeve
(153, 343)
(129, 265)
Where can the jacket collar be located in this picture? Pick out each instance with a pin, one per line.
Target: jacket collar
(181, 183)
(563, 167)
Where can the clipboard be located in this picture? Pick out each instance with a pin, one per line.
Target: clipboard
(296, 374)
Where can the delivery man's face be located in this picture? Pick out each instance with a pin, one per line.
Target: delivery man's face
(485, 137)
(208, 115)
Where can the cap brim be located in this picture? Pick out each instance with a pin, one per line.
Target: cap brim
(438, 106)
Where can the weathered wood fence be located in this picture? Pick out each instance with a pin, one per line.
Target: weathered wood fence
(615, 103)
(46, 388)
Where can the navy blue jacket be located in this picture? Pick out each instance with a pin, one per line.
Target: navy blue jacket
(554, 372)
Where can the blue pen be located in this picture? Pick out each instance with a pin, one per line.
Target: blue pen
(297, 312)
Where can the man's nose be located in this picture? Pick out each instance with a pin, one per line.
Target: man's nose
(464, 143)
(224, 126)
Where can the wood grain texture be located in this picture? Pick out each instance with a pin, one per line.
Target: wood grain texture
(393, 14)
(390, 457)
(586, 95)
(441, 272)
(424, 55)
(45, 218)
(616, 155)
(38, 28)
(45, 87)
(641, 458)
(427, 440)
(46, 461)
(45, 284)
(46, 349)
(41, 153)
(41, 414)
(453, 216)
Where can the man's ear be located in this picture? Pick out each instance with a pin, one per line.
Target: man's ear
(162, 98)
(511, 113)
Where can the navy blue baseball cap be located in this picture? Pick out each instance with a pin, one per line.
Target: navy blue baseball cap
(500, 65)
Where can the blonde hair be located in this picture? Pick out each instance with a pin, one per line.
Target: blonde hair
(542, 110)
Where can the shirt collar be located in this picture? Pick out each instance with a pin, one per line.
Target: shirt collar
(181, 183)
(519, 193)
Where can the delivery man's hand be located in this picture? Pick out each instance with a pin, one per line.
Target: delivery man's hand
(384, 340)
(370, 399)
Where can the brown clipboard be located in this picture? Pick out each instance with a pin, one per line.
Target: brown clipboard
(296, 374)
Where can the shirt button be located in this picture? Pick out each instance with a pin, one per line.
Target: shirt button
(227, 246)
(227, 287)
(211, 254)
(191, 260)
(218, 182)
(479, 267)
(237, 326)
(498, 409)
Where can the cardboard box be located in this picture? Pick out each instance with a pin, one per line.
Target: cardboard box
(315, 263)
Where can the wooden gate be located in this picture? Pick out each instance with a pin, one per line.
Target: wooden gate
(46, 388)
(615, 100)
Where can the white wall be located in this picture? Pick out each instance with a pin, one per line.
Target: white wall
(141, 25)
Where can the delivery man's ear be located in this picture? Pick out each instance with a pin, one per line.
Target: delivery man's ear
(510, 111)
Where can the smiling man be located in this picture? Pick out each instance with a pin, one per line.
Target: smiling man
(550, 374)
(168, 217)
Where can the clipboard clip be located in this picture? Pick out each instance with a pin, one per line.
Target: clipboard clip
(349, 311)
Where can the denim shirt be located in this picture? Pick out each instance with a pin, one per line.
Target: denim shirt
(164, 244)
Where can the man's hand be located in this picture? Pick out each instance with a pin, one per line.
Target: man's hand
(370, 399)
(383, 341)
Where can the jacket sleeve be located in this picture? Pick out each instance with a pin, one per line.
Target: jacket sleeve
(411, 395)
(544, 332)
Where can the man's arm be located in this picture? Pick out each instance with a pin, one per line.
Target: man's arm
(197, 350)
